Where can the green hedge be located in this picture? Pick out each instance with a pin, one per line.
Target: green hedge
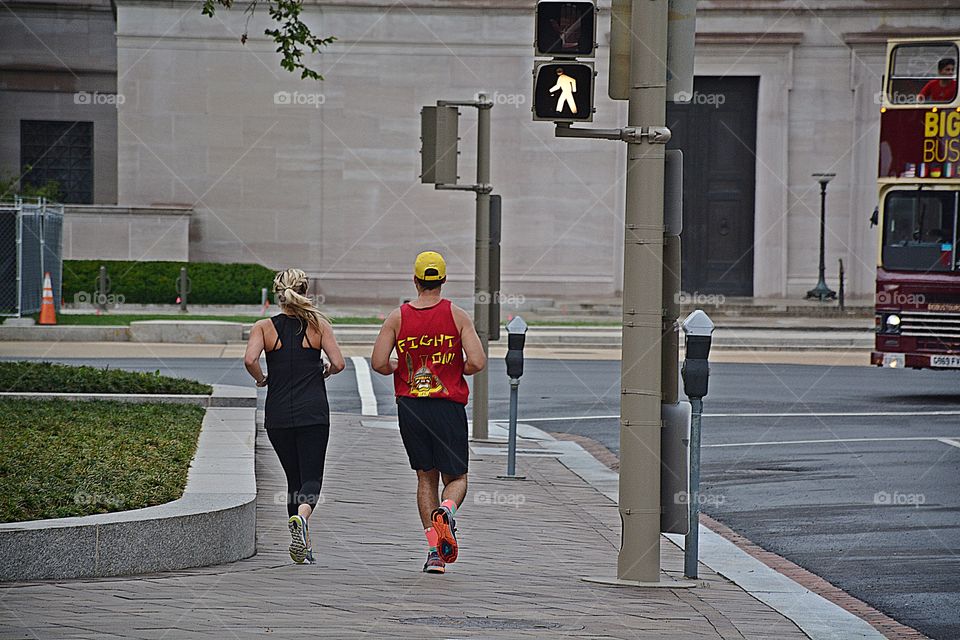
(23, 377)
(156, 282)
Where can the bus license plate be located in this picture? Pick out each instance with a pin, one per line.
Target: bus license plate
(949, 362)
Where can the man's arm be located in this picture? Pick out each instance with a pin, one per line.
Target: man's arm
(380, 360)
(474, 357)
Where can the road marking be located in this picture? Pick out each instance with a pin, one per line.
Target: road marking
(852, 414)
(781, 442)
(952, 443)
(368, 399)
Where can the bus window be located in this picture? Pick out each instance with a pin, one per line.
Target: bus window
(920, 231)
(923, 74)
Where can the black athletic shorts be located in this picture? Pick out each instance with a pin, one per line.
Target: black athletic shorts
(434, 433)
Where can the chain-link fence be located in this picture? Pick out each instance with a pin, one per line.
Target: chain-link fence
(30, 245)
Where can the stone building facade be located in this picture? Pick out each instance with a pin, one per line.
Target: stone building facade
(324, 175)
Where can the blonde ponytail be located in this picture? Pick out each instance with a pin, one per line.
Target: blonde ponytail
(290, 287)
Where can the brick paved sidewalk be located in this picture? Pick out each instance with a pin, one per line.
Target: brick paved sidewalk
(524, 547)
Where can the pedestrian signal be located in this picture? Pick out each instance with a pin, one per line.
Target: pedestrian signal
(563, 91)
(566, 28)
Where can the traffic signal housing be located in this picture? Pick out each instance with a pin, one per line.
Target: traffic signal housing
(566, 29)
(563, 91)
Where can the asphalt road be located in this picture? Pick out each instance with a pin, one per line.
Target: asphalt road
(850, 472)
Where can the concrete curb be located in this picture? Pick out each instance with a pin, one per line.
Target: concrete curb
(212, 523)
(222, 396)
(215, 332)
(819, 618)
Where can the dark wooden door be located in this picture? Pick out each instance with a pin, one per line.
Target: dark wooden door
(717, 132)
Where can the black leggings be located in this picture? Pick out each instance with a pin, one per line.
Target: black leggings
(301, 451)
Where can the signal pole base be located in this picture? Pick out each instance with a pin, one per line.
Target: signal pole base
(663, 583)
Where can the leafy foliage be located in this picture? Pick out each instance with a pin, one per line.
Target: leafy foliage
(11, 186)
(155, 282)
(61, 458)
(292, 36)
(25, 377)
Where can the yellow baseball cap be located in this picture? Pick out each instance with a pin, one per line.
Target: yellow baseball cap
(429, 265)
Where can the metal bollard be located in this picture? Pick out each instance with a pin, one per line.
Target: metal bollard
(102, 289)
(840, 294)
(183, 288)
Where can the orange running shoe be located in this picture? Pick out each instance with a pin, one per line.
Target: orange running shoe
(446, 528)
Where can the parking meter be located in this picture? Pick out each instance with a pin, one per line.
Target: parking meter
(695, 372)
(698, 329)
(516, 337)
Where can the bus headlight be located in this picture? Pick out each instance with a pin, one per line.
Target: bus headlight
(891, 323)
(894, 360)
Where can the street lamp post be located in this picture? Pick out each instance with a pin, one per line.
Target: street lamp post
(822, 291)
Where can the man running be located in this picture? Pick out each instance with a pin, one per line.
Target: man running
(436, 345)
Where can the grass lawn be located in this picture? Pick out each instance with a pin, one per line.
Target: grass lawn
(50, 377)
(62, 458)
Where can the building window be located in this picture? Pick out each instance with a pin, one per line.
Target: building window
(62, 152)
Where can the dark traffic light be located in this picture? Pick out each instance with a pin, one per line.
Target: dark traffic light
(565, 28)
(563, 91)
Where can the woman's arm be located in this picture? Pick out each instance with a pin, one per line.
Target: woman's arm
(251, 358)
(328, 343)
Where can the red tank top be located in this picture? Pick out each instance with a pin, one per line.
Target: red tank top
(430, 354)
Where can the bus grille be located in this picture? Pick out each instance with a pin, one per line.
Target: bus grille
(934, 331)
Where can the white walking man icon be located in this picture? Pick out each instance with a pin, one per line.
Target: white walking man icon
(567, 86)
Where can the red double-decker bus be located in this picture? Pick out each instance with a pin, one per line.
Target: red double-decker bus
(918, 276)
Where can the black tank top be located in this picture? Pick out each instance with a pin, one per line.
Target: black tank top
(296, 392)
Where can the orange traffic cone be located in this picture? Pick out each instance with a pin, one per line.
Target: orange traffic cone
(47, 313)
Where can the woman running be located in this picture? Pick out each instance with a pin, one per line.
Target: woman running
(296, 416)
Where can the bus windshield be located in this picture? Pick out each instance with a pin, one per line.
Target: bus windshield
(923, 74)
(920, 231)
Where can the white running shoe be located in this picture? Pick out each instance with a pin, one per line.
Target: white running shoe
(298, 539)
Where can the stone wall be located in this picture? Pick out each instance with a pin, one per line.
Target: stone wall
(110, 232)
(324, 176)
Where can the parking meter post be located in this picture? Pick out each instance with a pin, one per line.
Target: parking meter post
(516, 337)
(692, 539)
(512, 444)
(698, 329)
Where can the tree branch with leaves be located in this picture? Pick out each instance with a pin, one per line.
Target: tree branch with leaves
(291, 35)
